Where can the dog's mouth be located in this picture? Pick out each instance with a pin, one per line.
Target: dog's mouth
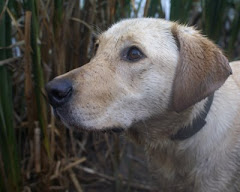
(61, 118)
(57, 116)
(68, 123)
(114, 129)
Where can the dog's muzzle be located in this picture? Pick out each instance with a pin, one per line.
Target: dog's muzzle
(59, 92)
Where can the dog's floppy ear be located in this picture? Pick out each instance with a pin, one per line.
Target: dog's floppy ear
(202, 68)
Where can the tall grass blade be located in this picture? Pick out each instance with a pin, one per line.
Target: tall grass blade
(9, 163)
(38, 74)
(28, 85)
(123, 9)
(155, 9)
(235, 31)
(180, 10)
(60, 24)
(146, 8)
(213, 14)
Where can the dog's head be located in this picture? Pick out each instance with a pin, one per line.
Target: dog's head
(141, 68)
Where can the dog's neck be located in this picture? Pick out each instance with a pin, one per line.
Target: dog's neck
(198, 123)
(176, 157)
(169, 125)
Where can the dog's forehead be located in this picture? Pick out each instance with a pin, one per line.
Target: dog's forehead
(138, 27)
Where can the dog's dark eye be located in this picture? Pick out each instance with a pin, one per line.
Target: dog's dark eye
(134, 54)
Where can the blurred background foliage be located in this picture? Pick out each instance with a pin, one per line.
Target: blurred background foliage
(40, 39)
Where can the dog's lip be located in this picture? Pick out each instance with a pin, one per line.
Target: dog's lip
(117, 130)
(110, 129)
(56, 114)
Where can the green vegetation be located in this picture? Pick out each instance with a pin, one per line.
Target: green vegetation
(53, 37)
(9, 161)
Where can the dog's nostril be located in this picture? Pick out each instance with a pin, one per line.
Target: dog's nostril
(59, 91)
(60, 94)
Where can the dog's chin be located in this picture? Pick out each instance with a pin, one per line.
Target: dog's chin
(72, 124)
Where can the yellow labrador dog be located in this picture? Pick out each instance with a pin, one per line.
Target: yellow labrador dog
(170, 90)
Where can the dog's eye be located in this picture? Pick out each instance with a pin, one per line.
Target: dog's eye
(134, 54)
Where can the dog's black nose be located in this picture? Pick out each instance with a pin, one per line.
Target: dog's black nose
(59, 91)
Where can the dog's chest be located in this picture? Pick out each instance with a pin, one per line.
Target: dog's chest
(170, 170)
(182, 171)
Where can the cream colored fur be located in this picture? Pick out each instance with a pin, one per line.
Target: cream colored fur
(138, 96)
